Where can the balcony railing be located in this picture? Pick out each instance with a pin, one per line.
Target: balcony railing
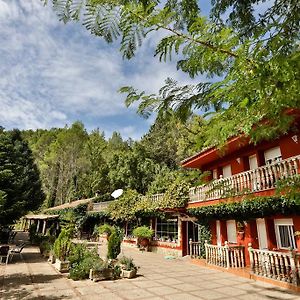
(195, 249)
(282, 266)
(101, 206)
(225, 256)
(156, 197)
(260, 179)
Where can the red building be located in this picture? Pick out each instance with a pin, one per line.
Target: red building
(248, 172)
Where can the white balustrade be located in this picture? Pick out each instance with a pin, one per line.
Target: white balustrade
(260, 179)
(156, 197)
(100, 206)
(195, 249)
(282, 266)
(225, 256)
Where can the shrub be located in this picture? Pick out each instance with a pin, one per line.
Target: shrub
(82, 260)
(63, 244)
(143, 232)
(114, 243)
(105, 228)
(127, 263)
(81, 270)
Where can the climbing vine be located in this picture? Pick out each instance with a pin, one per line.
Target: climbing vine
(249, 208)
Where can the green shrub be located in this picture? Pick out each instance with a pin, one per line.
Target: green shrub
(114, 243)
(82, 260)
(143, 232)
(63, 244)
(105, 228)
(127, 263)
(81, 270)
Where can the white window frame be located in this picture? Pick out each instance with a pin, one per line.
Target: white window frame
(288, 223)
(166, 232)
(231, 231)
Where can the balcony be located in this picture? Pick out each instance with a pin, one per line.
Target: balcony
(101, 206)
(260, 179)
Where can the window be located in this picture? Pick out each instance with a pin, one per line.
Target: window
(253, 162)
(227, 171)
(167, 230)
(272, 155)
(284, 230)
(231, 231)
(215, 174)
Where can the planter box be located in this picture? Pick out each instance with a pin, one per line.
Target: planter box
(62, 266)
(128, 274)
(101, 275)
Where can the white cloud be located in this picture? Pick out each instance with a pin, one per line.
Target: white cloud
(54, 73)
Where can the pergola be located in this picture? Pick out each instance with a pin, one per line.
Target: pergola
(40, 219)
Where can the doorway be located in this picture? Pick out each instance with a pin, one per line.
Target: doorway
(191, 233)
(262, 234)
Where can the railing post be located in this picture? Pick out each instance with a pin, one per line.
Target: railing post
(227, 255)
(251, 257)
(206, 250)
(191, 248)
(293, 267)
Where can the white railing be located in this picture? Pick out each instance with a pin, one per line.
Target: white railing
(225, 256)
(100, 206)
(156, 197)
(260, 179)
(282, 266)
(195, 249)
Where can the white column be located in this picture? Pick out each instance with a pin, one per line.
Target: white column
(38, 226)
(44, 227)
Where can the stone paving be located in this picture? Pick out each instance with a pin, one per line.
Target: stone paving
(34, 278)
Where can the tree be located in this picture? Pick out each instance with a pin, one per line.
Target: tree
(251, 62)
(20, 185)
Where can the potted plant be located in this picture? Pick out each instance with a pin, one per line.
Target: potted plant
(241, 229)
(143, 235)
(105, 230)
(51, 258)
(128, 268)
(62, 248)
(102, 271)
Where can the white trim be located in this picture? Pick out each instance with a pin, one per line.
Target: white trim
(284, 222)
(218, 229)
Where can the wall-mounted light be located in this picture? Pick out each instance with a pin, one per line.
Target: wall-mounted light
(238, 160)
(295, 138)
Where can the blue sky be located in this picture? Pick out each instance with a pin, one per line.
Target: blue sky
(54, 74)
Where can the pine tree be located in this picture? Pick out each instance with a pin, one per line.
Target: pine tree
(20, 185)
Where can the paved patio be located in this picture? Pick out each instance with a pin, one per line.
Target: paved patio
(34, 278)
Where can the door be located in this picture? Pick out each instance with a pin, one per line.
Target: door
(192, 233)
(262, 234)
(231, 231)
(227, 171)
(218, 228)
(253, 165)
(253, 162)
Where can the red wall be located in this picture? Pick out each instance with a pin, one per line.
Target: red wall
(287, 146)
(250, 234)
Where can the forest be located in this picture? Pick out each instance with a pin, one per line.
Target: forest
(76, 164)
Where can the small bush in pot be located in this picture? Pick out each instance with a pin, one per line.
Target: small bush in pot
(143, 234)
(128, 268)
(105, 229)
(62, 248)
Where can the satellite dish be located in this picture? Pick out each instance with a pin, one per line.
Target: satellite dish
(117, 193)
